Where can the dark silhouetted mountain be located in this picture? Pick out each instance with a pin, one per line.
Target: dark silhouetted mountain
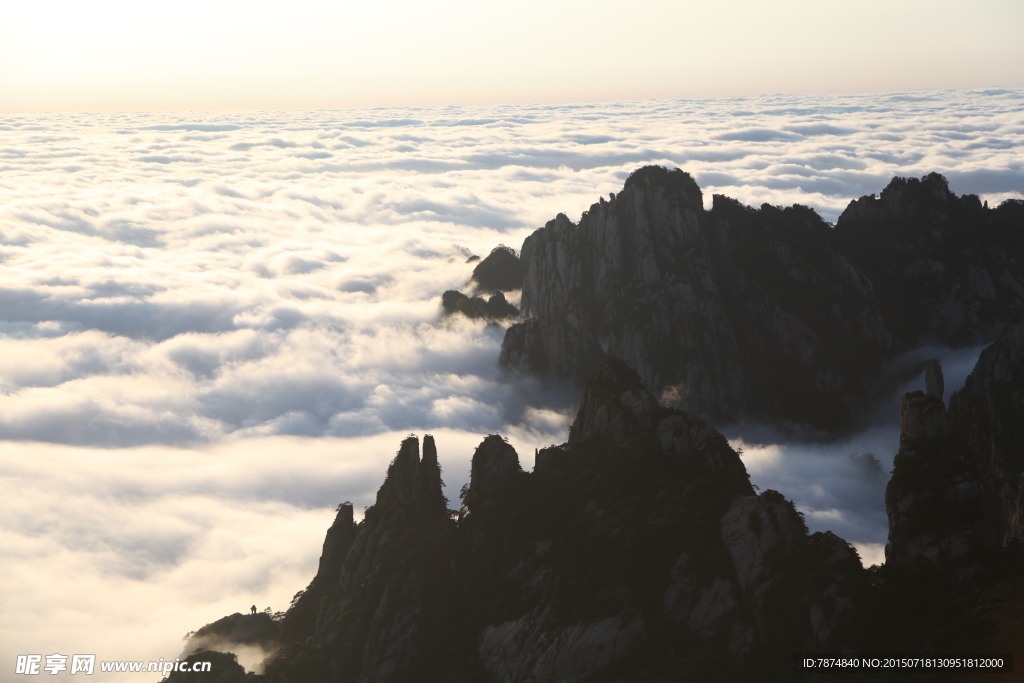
(766, 313)
(944, 267)
(639, 551)
(635, 551)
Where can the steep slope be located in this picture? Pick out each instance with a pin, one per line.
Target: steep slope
(956, 484)
(380, 603)
(954, 574)
(989, 413)
(938, 499)
(767, 313)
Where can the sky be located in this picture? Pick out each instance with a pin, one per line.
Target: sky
(123, 55)
(215, 327)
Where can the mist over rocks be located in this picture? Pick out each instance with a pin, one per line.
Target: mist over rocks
(257, 635)
(766, 314)
(224, 668)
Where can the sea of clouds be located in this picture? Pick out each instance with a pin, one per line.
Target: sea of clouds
(215, 327)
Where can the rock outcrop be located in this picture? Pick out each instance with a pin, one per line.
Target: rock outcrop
(501, 271)
(494, 308)
(937, 500)
(956, 486)
(989, 414)
(300, 620)
(650, 532)
(933, 382)
(768, 313)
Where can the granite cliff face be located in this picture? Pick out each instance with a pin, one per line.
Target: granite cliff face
(938, 500)
(945, 267)
(766, 313)
(989, 413)
(954, 573)
(956, 485)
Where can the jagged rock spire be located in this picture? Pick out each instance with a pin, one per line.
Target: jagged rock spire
(429, 497)
(413, 486)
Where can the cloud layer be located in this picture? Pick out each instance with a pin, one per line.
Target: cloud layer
(214, 328)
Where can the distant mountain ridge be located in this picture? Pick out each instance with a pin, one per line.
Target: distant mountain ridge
(769, 313)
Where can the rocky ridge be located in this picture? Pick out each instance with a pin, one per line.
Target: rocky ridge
(766, 313)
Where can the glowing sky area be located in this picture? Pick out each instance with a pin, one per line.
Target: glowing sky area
(104, 55)
(216, 327)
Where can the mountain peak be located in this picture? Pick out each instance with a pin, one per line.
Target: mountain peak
(676, 181)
